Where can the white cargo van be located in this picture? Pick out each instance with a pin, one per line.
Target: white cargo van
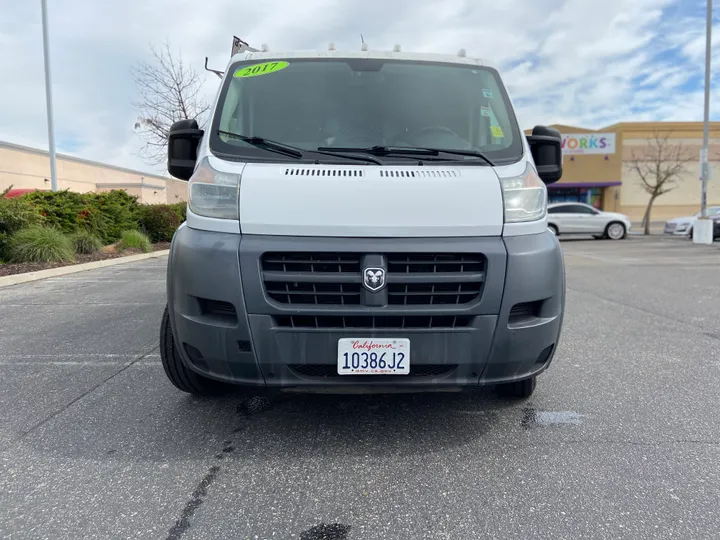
(362, 222)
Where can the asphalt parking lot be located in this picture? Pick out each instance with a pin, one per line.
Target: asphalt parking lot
(620, 440)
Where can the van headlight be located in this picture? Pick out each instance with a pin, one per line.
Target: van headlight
(213, 193)
(524, 197)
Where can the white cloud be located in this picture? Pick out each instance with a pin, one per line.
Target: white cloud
(580, 62)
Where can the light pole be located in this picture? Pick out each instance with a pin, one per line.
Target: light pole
(48, 97)
(703, 227)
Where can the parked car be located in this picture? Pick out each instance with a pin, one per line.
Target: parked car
(578, 218)
(716, 227)
(683, 226)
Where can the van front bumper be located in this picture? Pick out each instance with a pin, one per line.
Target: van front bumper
(230, 324)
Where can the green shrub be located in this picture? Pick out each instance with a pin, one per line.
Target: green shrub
(39, 244)
(66, 210)
(181, 208)
(105, 215)
(15, 214)
(120, 211)
(86, 242)
(160, 221)
(134, 240)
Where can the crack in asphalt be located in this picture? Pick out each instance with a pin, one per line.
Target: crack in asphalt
(197, 498)
(78, 398)
(247, 408)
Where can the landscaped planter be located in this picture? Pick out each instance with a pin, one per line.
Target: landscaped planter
(108, 253)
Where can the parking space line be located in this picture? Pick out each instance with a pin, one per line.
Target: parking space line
(74, 363)
(100, 304)
(78, 355)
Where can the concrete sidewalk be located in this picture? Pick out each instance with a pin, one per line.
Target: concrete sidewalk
(656, 227)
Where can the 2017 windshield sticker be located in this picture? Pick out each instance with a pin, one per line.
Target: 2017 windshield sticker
(260, 69)
(485, 111)
(487, 93)
(497, 131)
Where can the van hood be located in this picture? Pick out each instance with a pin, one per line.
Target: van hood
(370, 201)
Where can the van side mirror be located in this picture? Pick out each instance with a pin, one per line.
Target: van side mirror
(183, 141)
(546, 148)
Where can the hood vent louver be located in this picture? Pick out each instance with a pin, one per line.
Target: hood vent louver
(429, 173)
(323, 172)
(383, 172)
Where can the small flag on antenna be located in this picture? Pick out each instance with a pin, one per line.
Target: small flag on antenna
(239, 46)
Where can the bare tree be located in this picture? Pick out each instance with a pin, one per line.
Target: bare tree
(169, 90)
(659, 166)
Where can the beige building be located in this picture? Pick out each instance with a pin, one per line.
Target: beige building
(598, 167)
(29, 168)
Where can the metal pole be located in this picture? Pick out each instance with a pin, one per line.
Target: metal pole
(706, 128)
(48, 97)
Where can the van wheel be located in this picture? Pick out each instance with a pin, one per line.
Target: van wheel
(518, 389)
(183, 378)
(553, 229)
(615, 231)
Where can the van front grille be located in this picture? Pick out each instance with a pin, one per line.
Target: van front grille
(335, 278)
(369, 322)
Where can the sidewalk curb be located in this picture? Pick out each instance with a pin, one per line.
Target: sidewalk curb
(16, 279)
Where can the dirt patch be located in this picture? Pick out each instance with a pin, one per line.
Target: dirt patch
(109, 252)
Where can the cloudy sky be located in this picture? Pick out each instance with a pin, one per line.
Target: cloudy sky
(580, 62)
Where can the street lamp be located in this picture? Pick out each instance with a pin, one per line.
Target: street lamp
(48, 97)
(703, 228)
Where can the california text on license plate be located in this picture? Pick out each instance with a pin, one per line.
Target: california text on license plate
(373, 356)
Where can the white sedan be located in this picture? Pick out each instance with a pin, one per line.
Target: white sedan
(683, 226)
(577, 218)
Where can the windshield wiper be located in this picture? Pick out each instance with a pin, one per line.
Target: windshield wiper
(326, 152)
(293, 151)
(266, 144)
(410, 152)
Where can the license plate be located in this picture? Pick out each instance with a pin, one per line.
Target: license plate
(373, 356)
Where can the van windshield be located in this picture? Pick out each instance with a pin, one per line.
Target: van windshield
(361, 103)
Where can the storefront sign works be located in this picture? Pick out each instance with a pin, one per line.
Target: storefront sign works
(588, 143)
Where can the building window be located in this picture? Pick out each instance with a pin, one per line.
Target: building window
(590, 195)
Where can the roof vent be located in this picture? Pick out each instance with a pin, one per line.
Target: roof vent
(364, 47)
(396, 48)
(461, 53)
(331, 47)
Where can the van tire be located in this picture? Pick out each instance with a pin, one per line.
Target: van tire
(518, 389)
(180, 376)
(553, 229)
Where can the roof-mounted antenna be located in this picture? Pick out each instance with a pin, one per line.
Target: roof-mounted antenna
(331, 47)
(264, 48)
(396, 48)
(216, 72)
(461, 53)
(364, 46)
